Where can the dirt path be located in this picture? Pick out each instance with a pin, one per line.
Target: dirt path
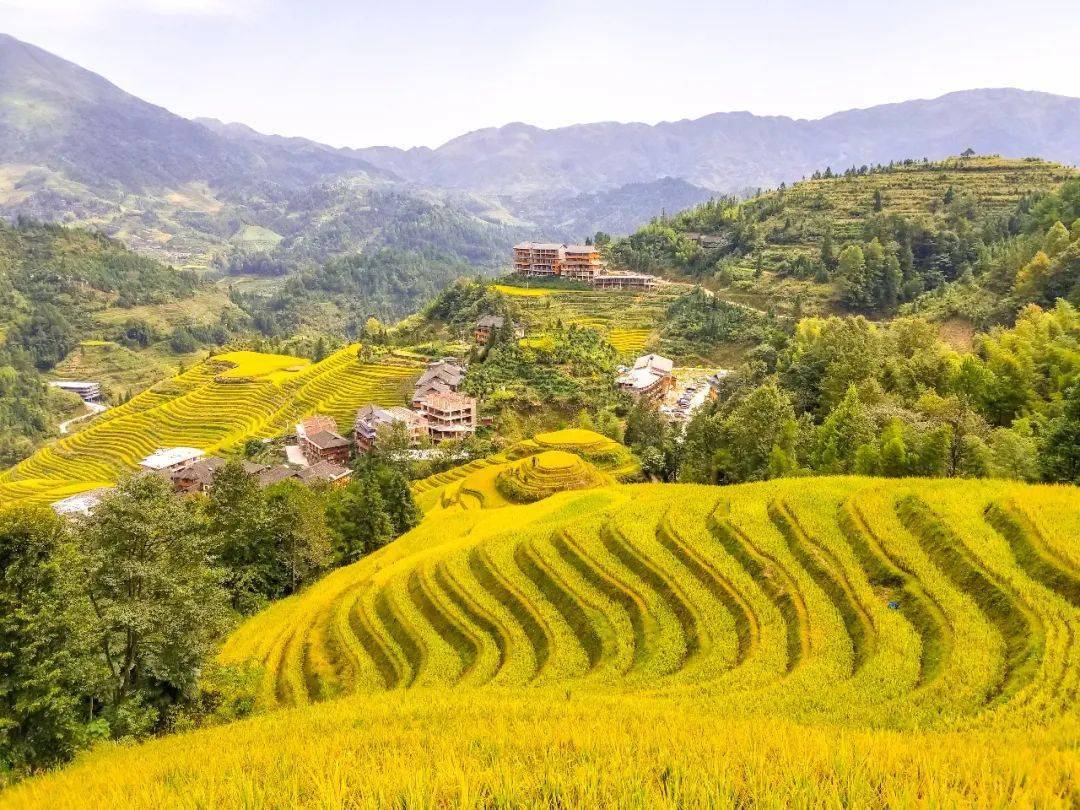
(93, 408)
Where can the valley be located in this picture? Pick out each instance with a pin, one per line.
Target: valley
(729, 461)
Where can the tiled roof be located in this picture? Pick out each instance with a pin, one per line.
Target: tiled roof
(323, 471)
(273, 475)
(450, 401)
(327, 439)
(316, 424)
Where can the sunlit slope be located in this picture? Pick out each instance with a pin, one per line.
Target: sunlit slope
(627, 319)
(535, 749)
(902, 603)
(572, 459)
(214, 406)
(835, 642)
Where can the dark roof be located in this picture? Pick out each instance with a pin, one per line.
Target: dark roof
(273, 475)
(323, 471)
(326, 440)
(491, 321)
(202, 470)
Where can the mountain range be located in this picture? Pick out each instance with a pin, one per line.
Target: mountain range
(75, 148)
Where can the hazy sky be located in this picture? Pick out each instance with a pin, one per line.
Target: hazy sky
(418, 72)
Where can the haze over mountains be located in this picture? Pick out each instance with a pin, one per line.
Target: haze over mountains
(76, 148)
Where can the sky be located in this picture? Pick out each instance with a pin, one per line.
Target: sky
(420, 72)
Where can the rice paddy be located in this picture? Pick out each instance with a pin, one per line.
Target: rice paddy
(214, 406)
(803, 642)
(628, 320)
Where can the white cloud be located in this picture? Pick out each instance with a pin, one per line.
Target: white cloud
(80, 10)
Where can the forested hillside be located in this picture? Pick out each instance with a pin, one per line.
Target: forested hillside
(870, 238)
(56, 284)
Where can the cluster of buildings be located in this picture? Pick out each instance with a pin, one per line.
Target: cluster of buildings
(576, 263)
(650, 378)
(189, 470)
(439, 409)
(320, 453)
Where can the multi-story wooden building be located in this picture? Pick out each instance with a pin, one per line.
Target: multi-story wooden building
(449, 416)
(319, 440)
(440, 377)
(371, 419)
(546, 259)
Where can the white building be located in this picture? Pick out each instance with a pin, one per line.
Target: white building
(89, 391)
(170, 458)
(650, 377)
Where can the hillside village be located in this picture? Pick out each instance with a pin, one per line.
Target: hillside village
(319, 452)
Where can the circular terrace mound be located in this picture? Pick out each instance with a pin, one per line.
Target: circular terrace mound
(539, 476)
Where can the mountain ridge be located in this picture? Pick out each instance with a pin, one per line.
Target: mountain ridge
(76, 148)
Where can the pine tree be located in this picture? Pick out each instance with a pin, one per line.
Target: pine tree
(828, 252)
(1057, 239)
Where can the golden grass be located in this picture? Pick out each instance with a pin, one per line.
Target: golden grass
(429, 749)
(830, 642)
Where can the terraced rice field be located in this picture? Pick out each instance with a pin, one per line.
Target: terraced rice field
(803, 642)
(627, 319)
(588, 460)
(214, 406)
(929, 604)
(842, 204)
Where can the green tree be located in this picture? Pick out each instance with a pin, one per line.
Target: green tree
(934, 453)
(358, 517)
(237, 523)
(828, 251)
(894, 454)
(854, 280)
(156, 596)
(1061, 445)
(842, 433)
(296, 522)
(1057, 239)
(46, 667)
(764, 420)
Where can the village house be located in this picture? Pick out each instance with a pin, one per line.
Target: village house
(649, 378)
(370, 419)
(440, 377)
(88, 391)
(625, 281)
(275, 475)
(325, 472)
(199, 475)
(319, 440)
(449, 415)
(493, 323)
(170, 459)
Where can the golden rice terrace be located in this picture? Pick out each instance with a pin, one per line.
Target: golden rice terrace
(803, 642)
